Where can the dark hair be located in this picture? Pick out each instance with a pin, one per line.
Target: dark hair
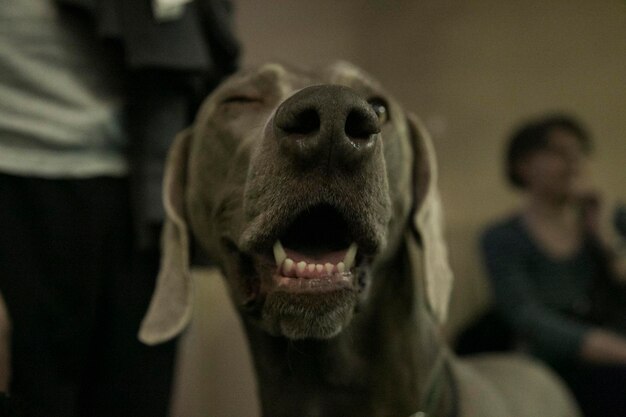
(533, 136)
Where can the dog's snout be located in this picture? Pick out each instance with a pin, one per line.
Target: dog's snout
(327, 123)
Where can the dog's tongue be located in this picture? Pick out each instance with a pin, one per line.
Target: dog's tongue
(333, 257)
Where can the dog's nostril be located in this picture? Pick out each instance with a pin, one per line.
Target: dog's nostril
(303, 122)
(360, 124)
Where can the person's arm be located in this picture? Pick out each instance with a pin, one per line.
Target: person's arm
(603, 347)
(606, 222)
(553, 333)
(619, 249)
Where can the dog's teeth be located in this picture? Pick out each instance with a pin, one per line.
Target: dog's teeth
(319, 267)
(329, 268)
(310, 267)
(279, 253)
(288, 266)
(341, 267)
(350, 255)
(300, 267)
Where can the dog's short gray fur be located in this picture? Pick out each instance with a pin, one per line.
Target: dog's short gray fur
(235, 179)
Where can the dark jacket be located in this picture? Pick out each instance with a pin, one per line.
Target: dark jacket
(170, 66)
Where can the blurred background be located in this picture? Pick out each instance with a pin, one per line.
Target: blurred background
(472, 70)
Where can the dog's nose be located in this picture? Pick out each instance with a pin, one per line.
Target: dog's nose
(327, 124)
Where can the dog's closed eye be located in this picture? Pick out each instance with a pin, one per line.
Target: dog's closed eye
(234, 105)
(241, 99)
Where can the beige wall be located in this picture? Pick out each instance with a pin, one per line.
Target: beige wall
(471, 69)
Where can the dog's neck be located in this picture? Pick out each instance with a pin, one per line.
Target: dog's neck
(387, 362)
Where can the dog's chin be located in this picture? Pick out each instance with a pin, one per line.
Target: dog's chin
(308, 316)
(307, 308)
(310, 304)
(296, 307)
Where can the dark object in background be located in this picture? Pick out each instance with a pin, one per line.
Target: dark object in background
(619, 220)
(5, 405)
(487, 333)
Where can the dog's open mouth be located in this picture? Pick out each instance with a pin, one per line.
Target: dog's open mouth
(315, 253)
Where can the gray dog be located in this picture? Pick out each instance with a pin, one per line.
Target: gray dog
(315, 194)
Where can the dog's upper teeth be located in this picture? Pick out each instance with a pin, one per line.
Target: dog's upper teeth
(279, 253)
(348, 260)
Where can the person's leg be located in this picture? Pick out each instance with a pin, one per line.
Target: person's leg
(142, 375)
(125, 378)
(49, 278)
(5, 347)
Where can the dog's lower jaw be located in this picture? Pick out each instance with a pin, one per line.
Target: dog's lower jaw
(309, 316)
(379, 365)
(318, 312)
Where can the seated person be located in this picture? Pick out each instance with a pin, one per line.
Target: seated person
(549, 262)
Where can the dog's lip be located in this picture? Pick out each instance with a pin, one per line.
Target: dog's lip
(321, 284)
(262, 233)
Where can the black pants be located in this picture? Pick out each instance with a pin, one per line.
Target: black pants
(76, 291)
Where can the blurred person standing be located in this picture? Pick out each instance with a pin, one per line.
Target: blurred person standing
(557, 271)
(92, 92)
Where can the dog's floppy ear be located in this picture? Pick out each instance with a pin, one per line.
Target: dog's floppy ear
(170, 308)
(427, 221)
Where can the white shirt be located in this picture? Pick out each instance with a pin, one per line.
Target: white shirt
(60, 96)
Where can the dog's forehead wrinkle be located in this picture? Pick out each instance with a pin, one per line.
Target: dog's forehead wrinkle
(283, 79)
(273, 68)
(290, 80)
(343, 70)
(269, 82)
(343, 73)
